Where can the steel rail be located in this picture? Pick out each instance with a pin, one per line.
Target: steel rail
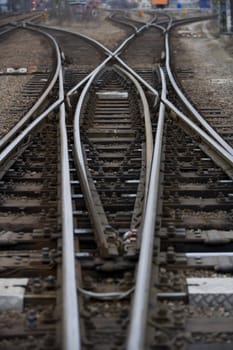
(79, 158)
(190, 107)
(18, 126)
(71, 338)
(148, 129)
(137, 328)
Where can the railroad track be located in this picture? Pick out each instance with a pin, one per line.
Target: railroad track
(191, 256)
(29, 227)
(174, 308)
(118, 216)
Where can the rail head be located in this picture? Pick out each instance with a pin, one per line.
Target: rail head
(79, 159)
(71, 338)
(137, 328)
(148, 128)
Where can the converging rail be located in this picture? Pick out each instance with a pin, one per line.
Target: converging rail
(114, 122)
(113, 197)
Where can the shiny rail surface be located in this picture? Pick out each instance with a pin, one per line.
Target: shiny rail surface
(120, 213)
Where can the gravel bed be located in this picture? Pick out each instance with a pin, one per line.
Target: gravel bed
(100, 29)
(21, 49)
(10, 95)
(24, 49)
(201, 49)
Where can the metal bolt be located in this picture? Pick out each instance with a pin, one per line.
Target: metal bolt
(50, 282)
(171, 256)
(163, 276)
(32, 319)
